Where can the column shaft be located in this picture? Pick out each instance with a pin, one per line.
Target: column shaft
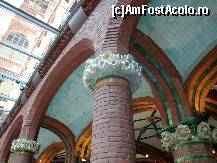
(113, 137)
(23, 157)
(195, 151)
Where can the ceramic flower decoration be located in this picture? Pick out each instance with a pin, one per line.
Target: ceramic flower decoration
(25, 145)
(183, 133)
(204, 131)
(168, 140)
(214, 134)
(112, 65)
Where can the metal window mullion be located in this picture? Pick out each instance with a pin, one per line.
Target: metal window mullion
(19, 50)
(12, 78)
(28, 17)
(2, 96)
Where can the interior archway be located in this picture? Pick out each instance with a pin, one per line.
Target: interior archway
(13, 134)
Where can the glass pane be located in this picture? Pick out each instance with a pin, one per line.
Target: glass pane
(16, 64)
(24, 44)
(24, 35)
(5, 108)
(10, 89)
(52, 12)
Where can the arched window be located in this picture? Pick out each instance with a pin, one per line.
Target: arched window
(18, 40)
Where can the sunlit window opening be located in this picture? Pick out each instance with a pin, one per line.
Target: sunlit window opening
(28, 31)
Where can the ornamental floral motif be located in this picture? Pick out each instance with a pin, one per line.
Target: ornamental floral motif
(183, 133)
(168, 140)
(204, 131)
(214, 134)
(25, 145)
(108, 65)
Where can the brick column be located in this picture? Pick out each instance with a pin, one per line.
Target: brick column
(24, 150)
(197, 151)
(190, 142)
(113, 132)
(112, 78)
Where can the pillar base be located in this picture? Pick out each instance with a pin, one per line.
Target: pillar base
(194, 151)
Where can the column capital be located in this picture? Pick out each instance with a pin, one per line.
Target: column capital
(111, 65)
(185, 134)
(23, 145)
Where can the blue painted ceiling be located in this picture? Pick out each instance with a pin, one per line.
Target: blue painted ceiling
(184, 39)
(46, 138)
(73, 103)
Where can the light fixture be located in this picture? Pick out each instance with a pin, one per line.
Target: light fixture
(146, 155)
(83, 159)
(213, 151)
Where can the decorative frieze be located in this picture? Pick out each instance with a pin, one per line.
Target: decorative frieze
(23, 145)
(184, 133)
(109, 66)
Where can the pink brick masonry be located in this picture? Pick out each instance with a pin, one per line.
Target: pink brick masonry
(113, 137)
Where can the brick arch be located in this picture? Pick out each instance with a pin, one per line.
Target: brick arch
(72, 56)
(38, 103)
(144, 103)
(164, 79)
(120, 36)
(12, 134)
(201, 80)
(50, 152)
(86, 42)
(119, 31)
(63, 132)
(75, 53)
(82, 142)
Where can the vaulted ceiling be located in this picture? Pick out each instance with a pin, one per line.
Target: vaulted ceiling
(183, 40)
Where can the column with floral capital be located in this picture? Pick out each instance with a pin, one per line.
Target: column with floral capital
(188, 145)
(24, 150)
(112, 78)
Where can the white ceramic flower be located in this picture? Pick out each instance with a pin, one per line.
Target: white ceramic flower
(25, 145)
(183, 133)
(204, 131)
(214, 134)
(109, 64)
(168, 140)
